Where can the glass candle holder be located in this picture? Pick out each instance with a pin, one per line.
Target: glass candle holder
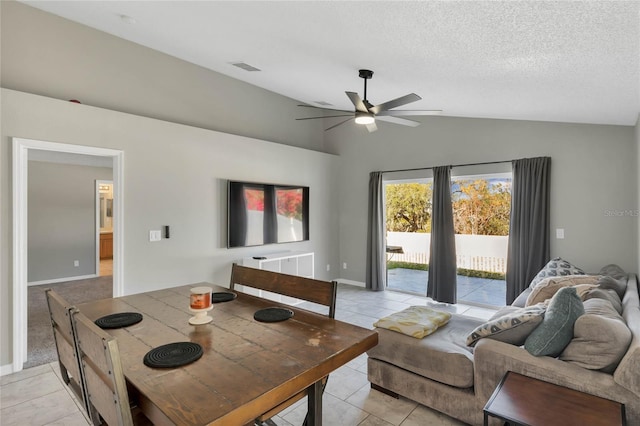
(200, 304)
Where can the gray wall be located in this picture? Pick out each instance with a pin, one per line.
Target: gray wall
(593, 175)
(51, 56)
(174, 175)
(62, 219)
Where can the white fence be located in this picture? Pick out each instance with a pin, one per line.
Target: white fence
(477, 252)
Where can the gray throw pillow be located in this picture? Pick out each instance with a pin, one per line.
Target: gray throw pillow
(608, 282)
(600, 338)
(613, 270)
(556, 267)
(556, 330)
(606, 294)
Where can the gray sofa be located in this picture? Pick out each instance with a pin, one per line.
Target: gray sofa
(442, 372)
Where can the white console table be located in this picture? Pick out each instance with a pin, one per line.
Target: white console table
(290, 262)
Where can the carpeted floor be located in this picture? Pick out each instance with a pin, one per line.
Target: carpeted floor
(40, 345)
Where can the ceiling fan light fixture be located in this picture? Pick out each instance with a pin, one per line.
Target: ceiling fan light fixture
(364, 118)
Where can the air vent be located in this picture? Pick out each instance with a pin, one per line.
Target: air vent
(244, 66)
(323, 103)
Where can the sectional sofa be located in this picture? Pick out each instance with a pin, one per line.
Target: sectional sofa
(442, 372)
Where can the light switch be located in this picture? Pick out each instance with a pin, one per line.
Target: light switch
(560, 233)
(155, 235)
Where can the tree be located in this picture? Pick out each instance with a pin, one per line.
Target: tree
(481, 207)
(409, 207)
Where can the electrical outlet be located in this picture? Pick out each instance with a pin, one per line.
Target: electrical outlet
(76, 263)
(344, 265)
(155, 235)
(560, 233)
(328, 267)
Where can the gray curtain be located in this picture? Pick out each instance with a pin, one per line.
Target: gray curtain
(376, 252)
(442, 257)
(528, 249)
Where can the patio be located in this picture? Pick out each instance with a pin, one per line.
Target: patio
(477, 291)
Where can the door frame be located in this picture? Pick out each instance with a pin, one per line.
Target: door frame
(21, 148)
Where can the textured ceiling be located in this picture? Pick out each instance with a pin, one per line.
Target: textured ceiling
(569, 61)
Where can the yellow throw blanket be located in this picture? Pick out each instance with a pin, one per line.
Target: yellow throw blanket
(415, 321)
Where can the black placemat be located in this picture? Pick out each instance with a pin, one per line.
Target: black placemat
(173, 355)
(273, 314)
(222, 296)
(119, 320)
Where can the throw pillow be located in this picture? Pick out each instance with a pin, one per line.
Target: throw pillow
(614, 271)
(612, 283)
(555, 268)
(556, 330)
(546, 288)
(513, 326)
(606, 294)
(415, 321)
(600, 338)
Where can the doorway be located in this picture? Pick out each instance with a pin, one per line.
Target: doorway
(21, 149)
(104, 227)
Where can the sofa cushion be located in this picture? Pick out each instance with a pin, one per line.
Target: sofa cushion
(556, 267)
(415, 321)
(510, 325)
(556, 330)
(546, 288)
(443, 356)
(626, 374)
(600, 337)
(522, 298)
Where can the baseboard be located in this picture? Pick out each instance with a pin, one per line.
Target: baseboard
(6, 369)
(63, 280)
(351, 282)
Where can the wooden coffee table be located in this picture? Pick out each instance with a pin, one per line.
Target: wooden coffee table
(522, 400)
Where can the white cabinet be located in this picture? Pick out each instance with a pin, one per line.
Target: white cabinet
(290, 262)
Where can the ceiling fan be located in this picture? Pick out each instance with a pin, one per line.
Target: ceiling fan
(366, 113)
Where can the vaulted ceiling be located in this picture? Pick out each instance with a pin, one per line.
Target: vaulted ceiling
(566, 61)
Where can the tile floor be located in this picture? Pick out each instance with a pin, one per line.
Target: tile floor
(37, 396)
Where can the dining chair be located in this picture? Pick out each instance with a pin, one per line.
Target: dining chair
(64, 338)
(103, 376)
(308, 289)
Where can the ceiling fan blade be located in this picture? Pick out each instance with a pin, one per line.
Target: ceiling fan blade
(324, 109)
(402, 112)
(396, 120)
(357, 101)
(371, 127)
(403, 100)
(336, 125)
(326, 116)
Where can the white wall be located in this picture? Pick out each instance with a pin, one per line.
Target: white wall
(173, 175)
(593, 170)
(62, 219)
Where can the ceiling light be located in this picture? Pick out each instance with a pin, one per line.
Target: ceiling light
(364, 118)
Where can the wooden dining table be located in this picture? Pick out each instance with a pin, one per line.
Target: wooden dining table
(247, 368)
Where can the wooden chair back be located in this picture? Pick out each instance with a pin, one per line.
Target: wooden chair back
(64, 338)
(102, 372)
(309, 289)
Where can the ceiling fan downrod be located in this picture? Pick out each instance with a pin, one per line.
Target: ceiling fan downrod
(366, 75)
